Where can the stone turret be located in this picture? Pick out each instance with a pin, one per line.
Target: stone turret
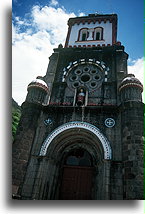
(130, 89)
(37, 91)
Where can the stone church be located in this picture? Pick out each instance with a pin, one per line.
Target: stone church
(80, 136)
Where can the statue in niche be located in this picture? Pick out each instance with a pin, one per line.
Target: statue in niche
(80, 99)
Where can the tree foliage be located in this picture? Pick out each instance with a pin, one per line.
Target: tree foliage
(16, 114)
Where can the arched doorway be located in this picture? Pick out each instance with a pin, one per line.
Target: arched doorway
(77, 176)
(77, 125)
(56, 152)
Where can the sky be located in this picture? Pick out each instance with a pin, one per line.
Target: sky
(39, 26)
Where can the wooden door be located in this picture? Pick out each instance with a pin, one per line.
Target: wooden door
(76, 183)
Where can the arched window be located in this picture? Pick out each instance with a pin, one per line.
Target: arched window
(83, 34)
(98, 33)
(78, 157)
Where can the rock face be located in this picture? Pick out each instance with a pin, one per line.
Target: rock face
(81, 130)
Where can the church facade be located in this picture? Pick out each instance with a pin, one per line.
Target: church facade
(80, 136)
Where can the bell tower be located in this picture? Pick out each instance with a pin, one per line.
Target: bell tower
(92, 30)
(82, 123)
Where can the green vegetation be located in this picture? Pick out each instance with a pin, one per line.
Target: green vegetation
(16, 114)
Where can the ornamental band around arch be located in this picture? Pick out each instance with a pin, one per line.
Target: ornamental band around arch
(83, 125)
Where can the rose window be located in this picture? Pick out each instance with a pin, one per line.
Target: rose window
(87, 75)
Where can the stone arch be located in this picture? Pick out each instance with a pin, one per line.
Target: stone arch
(87, 127)
(56, 147)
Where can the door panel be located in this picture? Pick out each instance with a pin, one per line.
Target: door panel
(76, 183)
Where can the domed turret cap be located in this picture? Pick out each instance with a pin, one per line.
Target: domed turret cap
(39, 83)
(130, 81)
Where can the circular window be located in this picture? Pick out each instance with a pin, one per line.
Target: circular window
(93, 84)
(73, 78)
(96, 77)
(85, 78)
(76, 84)
(78, 72)
(93, 71)
(86, 69)
(85, 74)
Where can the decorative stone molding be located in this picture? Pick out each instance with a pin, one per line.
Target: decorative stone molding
(82, 125)
(38, 83)
(140, 86)
(109, 122)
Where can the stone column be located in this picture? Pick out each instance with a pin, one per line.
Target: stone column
(133, 149)
(90, 37)
(107, 165)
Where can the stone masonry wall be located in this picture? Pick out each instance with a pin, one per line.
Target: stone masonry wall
(22, 144)
(133, 149)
